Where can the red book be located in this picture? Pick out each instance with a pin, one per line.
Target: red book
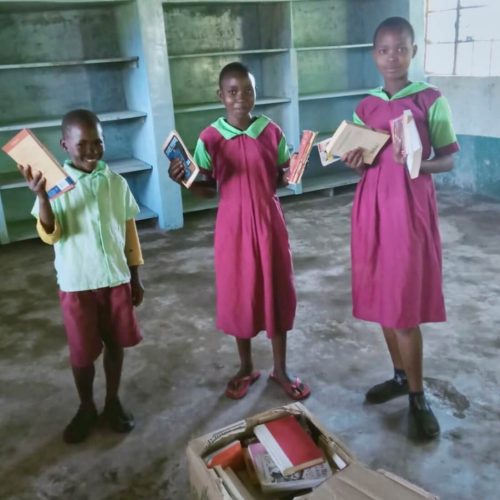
(289, 445)
(230, 455)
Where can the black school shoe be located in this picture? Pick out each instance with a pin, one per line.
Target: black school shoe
(425, 421)
(118, 419)
(386, 391)
(80, 426)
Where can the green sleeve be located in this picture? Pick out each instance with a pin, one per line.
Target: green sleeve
(201, 156)
(440, 124)
(356, 119)
(283, 153)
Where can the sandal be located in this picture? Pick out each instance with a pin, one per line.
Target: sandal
(297, 390)
(237, 388)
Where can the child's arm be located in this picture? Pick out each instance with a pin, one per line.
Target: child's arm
(205, 188)
(134, 260)
(354, 160)
(47, 227)
(437, 164)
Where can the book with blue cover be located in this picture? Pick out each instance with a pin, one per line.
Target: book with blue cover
(25, 149)
(173, 148)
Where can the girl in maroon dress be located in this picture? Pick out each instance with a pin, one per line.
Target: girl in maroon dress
(396, 246)
(244, 158)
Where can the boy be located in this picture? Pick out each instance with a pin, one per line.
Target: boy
(97, 254)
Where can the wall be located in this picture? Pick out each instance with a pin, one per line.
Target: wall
(475, 103)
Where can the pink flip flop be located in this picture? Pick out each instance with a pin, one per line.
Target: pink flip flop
(237, 388)
(297, 390)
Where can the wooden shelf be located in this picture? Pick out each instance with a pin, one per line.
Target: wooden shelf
(336, 177)
(22, 230)
(228, 53)
(128, 166)
(217, 105)
(335, 47)
(104, 117)
(58, 64)
(146, 213)
(333, 95)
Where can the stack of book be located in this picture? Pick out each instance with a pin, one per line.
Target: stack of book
(280, 458)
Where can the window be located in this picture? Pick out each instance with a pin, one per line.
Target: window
(462, 37)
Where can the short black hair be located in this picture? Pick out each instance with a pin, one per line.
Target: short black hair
(79, 117)
(234, 68)
(395, 24)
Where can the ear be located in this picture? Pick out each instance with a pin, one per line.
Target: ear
(62, 143)
(219, 94)
(414, 51)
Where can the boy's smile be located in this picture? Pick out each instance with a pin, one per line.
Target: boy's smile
(84, 144)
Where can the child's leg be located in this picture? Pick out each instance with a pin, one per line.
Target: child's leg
(86, 417)
(292, 385)
(84, 381)
(396, 386)
(119, 419)
(238, 386)
(410, 348)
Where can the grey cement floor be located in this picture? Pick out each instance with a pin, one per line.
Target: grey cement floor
(173, 382)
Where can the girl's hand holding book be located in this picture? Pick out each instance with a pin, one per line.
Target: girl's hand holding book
(354, 159)
(35, 180)
(176, 170)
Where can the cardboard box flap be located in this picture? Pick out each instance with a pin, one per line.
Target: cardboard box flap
(357, 482)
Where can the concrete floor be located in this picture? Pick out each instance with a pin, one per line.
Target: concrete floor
(173, 382)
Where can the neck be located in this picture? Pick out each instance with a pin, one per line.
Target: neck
(241, 122)
(394, 86)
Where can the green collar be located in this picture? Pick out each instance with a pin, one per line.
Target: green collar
(410, 89)
(76, 173)
(254, 130)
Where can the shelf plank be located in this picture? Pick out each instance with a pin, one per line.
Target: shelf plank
(128, 166)
(332, 95)
(337, 178)
(145, 213)
(228, 53)
(265, 101)
(22, 230)
(335, 47)
(58, 64)
(12, 180)
(104, 117)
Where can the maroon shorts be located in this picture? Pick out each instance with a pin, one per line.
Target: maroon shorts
(93, 317)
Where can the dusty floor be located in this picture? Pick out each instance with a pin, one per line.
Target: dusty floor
(173, 382)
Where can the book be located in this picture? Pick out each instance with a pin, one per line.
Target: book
(271, 478)
(349, 136)
(289, 445)
(25, 149)
(230, 455)
(173, 148)
(404, 129)
(298, 161)
(233, 483)
(325, 157)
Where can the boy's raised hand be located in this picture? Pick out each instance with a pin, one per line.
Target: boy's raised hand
(176, 170)
(35, 180)
(354, 159)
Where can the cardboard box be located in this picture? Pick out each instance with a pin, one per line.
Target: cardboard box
(353, 482)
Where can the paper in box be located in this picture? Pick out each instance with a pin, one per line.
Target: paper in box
(25, 149)
(351, 480)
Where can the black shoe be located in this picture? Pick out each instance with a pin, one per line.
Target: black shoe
(426, 423)
(118, 419)
(80, 426)
(386, 391)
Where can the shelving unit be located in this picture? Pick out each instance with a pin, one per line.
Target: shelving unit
(148, 66)
(335, 70)
(76, 54)
(202, 37)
